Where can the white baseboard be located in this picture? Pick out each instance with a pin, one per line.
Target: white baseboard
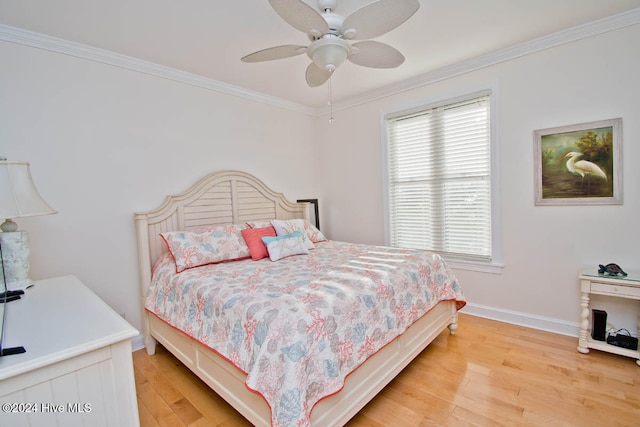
(523, 319)
(137, 343)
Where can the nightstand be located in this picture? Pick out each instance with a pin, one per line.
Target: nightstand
(614, 286)
(77, 370)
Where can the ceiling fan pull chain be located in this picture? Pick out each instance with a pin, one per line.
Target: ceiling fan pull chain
(330, 103)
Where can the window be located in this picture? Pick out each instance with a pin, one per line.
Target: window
(439, 179)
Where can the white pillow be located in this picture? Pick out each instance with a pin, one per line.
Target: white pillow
(284, 227)
(283, 246)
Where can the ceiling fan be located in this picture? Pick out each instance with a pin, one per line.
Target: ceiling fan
(329, 32)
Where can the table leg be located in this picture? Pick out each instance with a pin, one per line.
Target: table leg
(584, 324)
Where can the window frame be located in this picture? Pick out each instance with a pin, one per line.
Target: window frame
(495, 264)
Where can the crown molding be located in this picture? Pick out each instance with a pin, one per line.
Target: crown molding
(579, 32)
(66, 47)
(90, 53)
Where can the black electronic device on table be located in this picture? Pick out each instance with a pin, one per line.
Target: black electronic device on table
(599, 327)
(623, 341)
(8, 296)
(622, 338)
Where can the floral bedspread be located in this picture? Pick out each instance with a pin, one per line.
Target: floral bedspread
(297, 327)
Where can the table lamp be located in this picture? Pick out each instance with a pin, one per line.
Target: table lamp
(18, 198)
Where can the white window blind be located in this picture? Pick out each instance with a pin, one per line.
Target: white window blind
(439, 179)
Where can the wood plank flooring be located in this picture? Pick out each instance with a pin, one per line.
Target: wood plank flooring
(488, 374)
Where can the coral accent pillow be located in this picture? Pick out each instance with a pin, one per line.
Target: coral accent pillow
(214, 245)
(253, 238)
(283, 246)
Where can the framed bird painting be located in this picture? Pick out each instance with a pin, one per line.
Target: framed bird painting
(579, 164)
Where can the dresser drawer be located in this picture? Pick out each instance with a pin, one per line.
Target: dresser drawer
(615, 290)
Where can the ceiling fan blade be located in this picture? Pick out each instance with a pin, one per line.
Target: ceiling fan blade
(377, 18)
(316, 76)
(272, 53)
(301, 16)
(376, 55)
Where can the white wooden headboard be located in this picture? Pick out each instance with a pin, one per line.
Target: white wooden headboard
(226, 197)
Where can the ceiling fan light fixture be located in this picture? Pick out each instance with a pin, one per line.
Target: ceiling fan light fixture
(329, 53)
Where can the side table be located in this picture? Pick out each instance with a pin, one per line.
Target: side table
(591, 282)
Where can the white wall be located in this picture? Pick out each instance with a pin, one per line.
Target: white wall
(105, 142)
(543, 247)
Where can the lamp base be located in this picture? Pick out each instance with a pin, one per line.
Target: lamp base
(9, 225)
(15, 259)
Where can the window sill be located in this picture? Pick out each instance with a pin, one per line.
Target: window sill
(481, 267)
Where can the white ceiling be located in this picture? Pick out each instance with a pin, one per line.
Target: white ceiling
(208, 37)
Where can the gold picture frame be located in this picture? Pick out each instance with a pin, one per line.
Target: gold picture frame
(579, 164)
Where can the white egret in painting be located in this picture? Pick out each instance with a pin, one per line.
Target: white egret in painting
(583, 167)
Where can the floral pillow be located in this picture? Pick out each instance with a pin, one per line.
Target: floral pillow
(211, 246)
(284, 227)
(313, 233)
(253, 238)
(283, 246)
(259, 224)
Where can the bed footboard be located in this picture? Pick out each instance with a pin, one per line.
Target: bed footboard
(360, 387)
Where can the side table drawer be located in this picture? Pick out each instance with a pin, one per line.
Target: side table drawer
(615, 290)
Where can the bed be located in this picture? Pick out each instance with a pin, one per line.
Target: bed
(334, 390)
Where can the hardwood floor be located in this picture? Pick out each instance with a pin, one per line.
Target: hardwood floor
(488, 374)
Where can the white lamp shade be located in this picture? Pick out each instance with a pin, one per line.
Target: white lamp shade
(18, 198)
(18, 194)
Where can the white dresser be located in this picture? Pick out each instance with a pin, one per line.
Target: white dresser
(77, 369)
